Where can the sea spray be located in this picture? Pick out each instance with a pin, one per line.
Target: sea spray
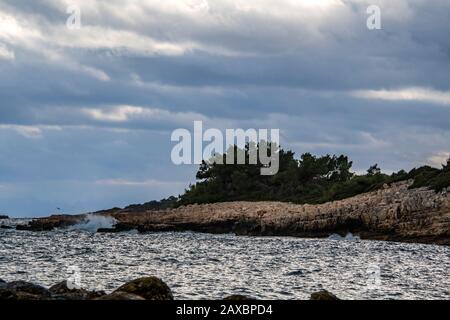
(93, 222)
(349, 237)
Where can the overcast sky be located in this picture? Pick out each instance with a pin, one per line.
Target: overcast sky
(86, 114)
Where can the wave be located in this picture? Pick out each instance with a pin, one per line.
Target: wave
(13, 222)
(349, 237)
(94, 222)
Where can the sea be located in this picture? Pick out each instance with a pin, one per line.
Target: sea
(206, 266)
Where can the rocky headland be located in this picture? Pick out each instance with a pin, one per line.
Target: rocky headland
(393, 213)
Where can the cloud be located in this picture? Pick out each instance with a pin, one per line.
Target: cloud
(439, 159)
(407, 94)
(140, 117)
(99, 103)
(26, 131)
(124, 42)
(5, 53)
(117, 114)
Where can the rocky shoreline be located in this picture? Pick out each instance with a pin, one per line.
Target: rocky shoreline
(393, 213)
(145, 288)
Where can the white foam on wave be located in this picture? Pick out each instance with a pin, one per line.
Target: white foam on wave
(348, 237)
(94, 222)
(12, 222)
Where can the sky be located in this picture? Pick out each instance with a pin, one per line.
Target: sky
(86, 113)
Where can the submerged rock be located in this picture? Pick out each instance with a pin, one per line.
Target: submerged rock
(295, 273)
(323, 295)
(120, 295)
(149, 288)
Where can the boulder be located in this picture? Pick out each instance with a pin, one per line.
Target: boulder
(5, 227)
(26, 288)
(149, 288)
(7, 294)
(2, 217)
(323, 295)
(61, 291)
(21, 290)
(120, 295)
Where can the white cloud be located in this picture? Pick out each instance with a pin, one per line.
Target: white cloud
(406, 94)
(6, 54)
(25, 32)
(115, 114)
(127, 113)
(14, 29)
(26, 131)
(31, 132)
(438, 159)
(97, 37)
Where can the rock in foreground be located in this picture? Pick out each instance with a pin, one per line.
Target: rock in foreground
(323, 295)
(22, 290)
(146, 288)
(150, 288)
(67, 292)
(120, 295)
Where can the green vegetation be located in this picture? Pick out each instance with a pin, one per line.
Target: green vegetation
(154, 205)
(309, 179)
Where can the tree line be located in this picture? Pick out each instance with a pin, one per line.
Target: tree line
(307, 179)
